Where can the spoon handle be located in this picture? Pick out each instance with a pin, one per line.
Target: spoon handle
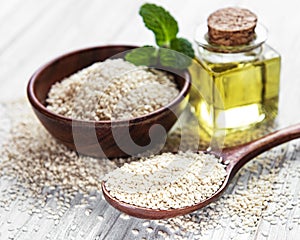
(238, 156)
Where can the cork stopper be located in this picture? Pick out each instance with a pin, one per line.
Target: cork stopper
(231, 26)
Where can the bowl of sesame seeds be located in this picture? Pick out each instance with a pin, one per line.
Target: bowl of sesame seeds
(98, 104)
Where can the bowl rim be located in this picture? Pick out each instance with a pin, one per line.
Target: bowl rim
(43, 109)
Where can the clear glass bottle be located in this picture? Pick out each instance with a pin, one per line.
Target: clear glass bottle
(235, 86)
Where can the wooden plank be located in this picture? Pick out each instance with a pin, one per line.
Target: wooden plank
(57, 32)
(36, 31)
(21, 18)
(7, 8)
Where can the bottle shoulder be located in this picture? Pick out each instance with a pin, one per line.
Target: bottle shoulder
(220, 62)
(269, 52)
(261, 53)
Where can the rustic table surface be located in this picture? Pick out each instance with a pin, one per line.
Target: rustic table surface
(33, 32)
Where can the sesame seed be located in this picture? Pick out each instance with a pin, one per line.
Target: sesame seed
(73, 227)
(149, 229)
(88, 212)
(125, 216)
(135, 231)
(11, 229)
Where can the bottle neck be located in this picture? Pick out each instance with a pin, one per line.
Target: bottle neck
(212, 56)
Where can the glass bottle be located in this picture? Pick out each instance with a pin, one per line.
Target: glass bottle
(235, 87)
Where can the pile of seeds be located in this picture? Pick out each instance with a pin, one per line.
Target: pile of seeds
(113, 89)
(45, 168)
(168, 180)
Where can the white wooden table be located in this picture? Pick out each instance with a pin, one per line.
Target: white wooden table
(33, 32)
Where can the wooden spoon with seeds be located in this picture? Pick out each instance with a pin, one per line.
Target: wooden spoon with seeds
(234, 158)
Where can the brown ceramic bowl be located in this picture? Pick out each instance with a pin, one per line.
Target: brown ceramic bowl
(102, 138)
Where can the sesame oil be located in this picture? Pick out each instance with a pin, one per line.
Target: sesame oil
(236, 94)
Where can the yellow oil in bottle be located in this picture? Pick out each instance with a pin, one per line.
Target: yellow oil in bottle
(235, 93)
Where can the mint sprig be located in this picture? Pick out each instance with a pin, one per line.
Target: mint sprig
(165, 29)
(160, 21)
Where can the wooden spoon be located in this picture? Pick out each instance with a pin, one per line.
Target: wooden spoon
(234, 158)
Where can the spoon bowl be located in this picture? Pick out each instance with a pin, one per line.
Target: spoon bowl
(234, 158)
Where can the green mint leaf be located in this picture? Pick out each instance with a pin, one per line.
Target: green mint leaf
(173, 59)
(146, 56)
(160, 22)
(182, 45)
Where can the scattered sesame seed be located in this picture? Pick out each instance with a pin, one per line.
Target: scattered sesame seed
(11, 229)
(135, 231)
(87, 212)
(73, 227)
(28, 143)
(149, 229)
(145, 224)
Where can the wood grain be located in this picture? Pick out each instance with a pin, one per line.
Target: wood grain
(33, 32)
